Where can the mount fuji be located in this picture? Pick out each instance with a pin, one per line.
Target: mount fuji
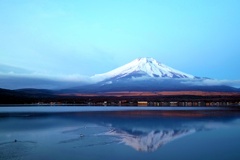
(145, 75)
(142, 67)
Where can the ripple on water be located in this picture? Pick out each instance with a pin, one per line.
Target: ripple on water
(16, 150)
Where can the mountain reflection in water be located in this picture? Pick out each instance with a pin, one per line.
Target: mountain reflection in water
(151, 141)
(126, 135)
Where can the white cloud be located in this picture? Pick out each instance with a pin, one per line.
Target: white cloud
(213, 82)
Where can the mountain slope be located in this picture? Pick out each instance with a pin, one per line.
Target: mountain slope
(142, 67)
(147, 75)
(148, 85)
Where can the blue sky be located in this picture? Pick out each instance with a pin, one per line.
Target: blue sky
(87, 37)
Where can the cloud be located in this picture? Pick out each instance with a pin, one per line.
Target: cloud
(12, 77)
(7, 69)
(212, 82)
(41, 82)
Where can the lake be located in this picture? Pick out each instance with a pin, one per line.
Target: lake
(94, 133)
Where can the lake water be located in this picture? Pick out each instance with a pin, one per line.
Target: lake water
(94, 133)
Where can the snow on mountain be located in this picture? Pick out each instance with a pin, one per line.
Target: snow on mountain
(142, 67)
(151, 141)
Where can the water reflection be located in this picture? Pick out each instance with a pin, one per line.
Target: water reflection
(151, 141)
(80, 135)
(146, 133)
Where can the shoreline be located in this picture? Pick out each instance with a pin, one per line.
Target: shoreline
(71, 109)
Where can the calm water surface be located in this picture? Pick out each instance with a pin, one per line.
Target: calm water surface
(92, 134)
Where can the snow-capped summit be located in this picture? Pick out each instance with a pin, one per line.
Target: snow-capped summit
(149, 142)
(142, 67)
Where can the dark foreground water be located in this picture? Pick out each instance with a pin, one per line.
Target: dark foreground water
(31, 133)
